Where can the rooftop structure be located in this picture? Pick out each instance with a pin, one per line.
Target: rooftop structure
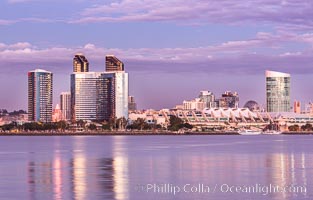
(112, 63)
(80, 63)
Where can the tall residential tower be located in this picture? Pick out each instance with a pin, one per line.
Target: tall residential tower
(40, 95)
(277, 91)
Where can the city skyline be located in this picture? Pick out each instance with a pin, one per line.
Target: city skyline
(174, 47)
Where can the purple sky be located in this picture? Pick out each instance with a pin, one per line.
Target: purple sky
(172, 49)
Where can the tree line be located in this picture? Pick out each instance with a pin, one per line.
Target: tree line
(306, 127)
(113, 124)
(4, 112)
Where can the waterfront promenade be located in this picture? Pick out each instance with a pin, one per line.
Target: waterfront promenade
(134, 133)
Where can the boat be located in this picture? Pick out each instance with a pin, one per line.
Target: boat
(249, 132)
(271, 132)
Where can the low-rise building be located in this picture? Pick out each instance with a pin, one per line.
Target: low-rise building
(195, 104)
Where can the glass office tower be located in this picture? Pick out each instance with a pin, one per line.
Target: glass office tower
(40, 95)
(277, 91)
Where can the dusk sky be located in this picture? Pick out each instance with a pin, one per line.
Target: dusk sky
(172, 49)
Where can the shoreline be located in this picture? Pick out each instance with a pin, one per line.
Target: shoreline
(133, 133)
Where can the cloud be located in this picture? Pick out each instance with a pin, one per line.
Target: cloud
(265, 50)
(26, 1)
(89, 46)
(6, 22)
(288, 15)
(18, 1)
(15, 46)
(285, 12)
(29, 19)
(20, 45)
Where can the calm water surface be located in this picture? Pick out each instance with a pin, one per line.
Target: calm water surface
(154, 167)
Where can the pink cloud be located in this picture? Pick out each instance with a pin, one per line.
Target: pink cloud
(6, 22)
(203, 11)
(30, 19)
(231, 55)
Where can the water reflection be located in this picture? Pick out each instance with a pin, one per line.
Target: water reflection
(57, 177)
(277, 169)
(85, 170)
(303, 170)
(292, 169)
(40, 179)
(120, 169)
(79, 169)
(105, 182)
(80, 177)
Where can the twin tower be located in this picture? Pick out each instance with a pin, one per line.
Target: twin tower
(98, 96)
(94, 96)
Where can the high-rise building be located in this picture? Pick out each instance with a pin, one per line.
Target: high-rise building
(113, 64)
(84, 95)
(65, 105)
(106, 106)
(99, 95)
(229, 100)
(208, 98)
(297, 107)
(80, 63)
(40, 89)
(132, 106)
(277, 91)
(121, 94)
